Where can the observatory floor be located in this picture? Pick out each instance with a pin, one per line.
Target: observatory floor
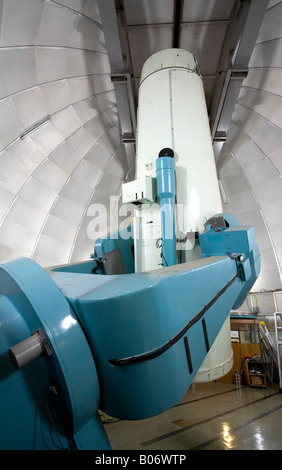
(211, 416)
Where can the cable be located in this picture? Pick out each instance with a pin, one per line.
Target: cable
(157, 352)
(55, 430)
(165, 261)
(159, 245)
(52, 426)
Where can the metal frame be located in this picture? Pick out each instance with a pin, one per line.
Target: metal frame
(121, 78)
(233, 64)
(245, 23)
(178, 10)
(278, 329)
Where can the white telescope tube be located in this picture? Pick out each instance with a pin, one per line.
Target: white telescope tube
(172, 113)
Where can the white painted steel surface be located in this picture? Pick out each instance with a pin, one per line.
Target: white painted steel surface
(172, 113)
(219, 359)
(54, 64)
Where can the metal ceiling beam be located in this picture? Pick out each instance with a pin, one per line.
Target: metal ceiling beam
(121, 78)
(178, 8)
(233, 65)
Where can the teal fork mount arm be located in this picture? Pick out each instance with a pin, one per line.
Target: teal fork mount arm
(128, 344)
(150, 332)
(236, 241)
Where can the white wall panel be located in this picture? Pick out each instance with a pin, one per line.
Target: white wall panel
(47, 138)
(267, 105)
(88, 173)
(16, 239)
(234, 185)
(56, 25)
(84, 87)
(100, 125)
(87, 35)
(68, 210)
(65, 157)
(272, 25)
(10, 123)
(148, 40)
(85, 7)
(99, 156)
(29, 106)
(273, 2)
(20, 68)
(79, 250)
(81, 62)
(3, 85)
(262, 239)
(276, 233)
(90, 107)
(50, 251)
(253, 217)
(269, 138)
(205, 44)
(51, 175)
(254, 142)
(20, 22)
(249, 153)
(66, 121)
(275, 156)
(109, 184)
(269, 80)
(77, 191)
(269, 262)
(26, 214)
(81, 141)
(200, 10)
(53, 63)
(77, 5)
(241, 203)
(117, 167)
(273, 212)
(267, 54)
(111, 139)
(269, 192)
(159, 11)
(59, 229)
(89, 9)
(267, 279)
(6, 198)
(260, 172)
(13, 174)
(38, 194)
(56, 95)
(252, 123)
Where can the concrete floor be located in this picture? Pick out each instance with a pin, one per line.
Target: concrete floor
(211, 416)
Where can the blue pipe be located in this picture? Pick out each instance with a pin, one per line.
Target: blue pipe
(166, 194)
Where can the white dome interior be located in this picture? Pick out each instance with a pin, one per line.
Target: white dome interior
(61, 140)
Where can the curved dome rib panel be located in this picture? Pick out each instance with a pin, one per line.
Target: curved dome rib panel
(55, 75)
(55, 72)
(250, 164)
